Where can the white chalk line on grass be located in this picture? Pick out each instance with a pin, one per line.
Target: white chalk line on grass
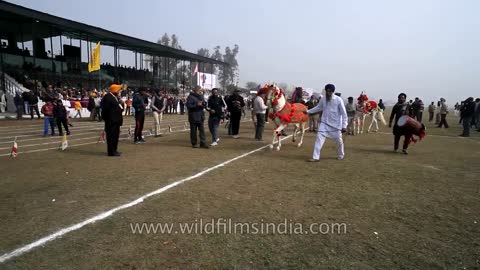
(79, 125)
(74, 128)
(73, 145)
(443, 136)
(49, 137)
(54, 148)
(101, 216)
(70, 140)
(124, 128)
(46, 143)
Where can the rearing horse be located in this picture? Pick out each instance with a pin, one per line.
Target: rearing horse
(284, 113)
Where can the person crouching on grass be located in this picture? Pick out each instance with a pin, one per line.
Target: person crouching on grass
(333, 122)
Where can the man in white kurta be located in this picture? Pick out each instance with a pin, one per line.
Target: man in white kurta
(333, 122)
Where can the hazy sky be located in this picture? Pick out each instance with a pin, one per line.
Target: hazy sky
(426, 48)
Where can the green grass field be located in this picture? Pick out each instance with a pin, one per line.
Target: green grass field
(419, 211)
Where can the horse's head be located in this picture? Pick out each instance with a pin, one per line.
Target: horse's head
(275, 96)
(362, 98)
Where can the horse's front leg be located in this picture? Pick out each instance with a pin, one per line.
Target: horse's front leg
(302, 130)
(278, 133)
(363, 122)
(358, 122)
(273, 139)
(371, 123)
(295, 129)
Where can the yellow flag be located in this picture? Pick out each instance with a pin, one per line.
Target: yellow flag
(94, 59)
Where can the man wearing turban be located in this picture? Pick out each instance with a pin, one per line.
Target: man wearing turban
(112, 115)
(333, 122)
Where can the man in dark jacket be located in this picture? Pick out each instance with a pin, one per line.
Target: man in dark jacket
(196, 104)
(215, 108)
(139, 105)
(18, 100)
(381, 105)
(466, 113)
(418, 107)
(112, 115)
(235, 104)
(400, 109)
(60, 114)
(297, 96)
(182, 105)
(33, 103)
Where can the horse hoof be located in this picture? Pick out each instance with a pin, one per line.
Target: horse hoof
(299, 145)
(294, 140)
(278, 148)
(271, 146)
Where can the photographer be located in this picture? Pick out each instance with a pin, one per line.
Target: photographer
(196, 104)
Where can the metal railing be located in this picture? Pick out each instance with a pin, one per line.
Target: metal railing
(11, 88)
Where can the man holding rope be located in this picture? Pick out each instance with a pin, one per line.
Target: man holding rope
(333, 122)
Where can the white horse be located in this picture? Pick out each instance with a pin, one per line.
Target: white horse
(366, 108)
(283, 113)
(376, 114)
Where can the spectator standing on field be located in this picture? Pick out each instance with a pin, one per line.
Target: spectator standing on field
(467, 113)
(418, 108)
(159, 103)
(78, 109)
(47, 111)
(139, 105)
(312, 118)
(431, 111)
(351, 111)
(235, 105)
(128, 104)
(215, 107)
(182, 105)
(196, 105)
(60, 114)
(18, 100)
(443, 113)
(33, 104)
(260, 110)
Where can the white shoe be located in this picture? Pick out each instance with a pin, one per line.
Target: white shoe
(217, 140)
(340, 158)
(236, 136)
(214, 144)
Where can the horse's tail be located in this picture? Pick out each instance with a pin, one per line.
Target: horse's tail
(381, 117)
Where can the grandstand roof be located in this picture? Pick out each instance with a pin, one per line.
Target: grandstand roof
(45, 25)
